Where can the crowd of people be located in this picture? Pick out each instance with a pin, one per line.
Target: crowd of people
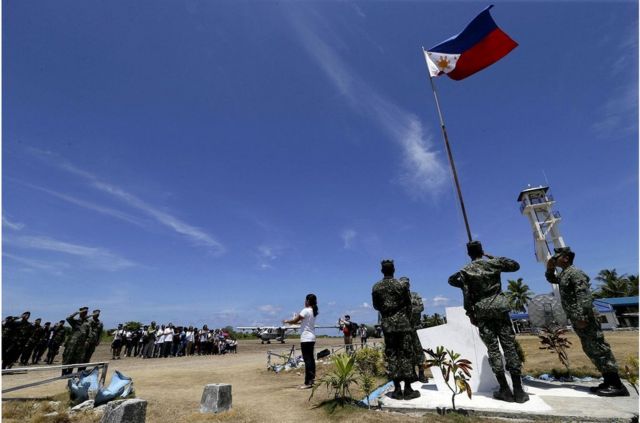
(153, 341)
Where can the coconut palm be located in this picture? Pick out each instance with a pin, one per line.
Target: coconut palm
(612, 285)
(632, 285)
(518, 294)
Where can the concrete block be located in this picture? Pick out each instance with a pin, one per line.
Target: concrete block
(125, 411)
(216, 398)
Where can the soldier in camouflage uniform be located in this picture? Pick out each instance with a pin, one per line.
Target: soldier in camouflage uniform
(56, 340)
(93, 339)
(41, 346)
(36, 333)
(417, 307)
(392, 299)
(18, 332)
(488, 309)
(74, 348)
(577, 302)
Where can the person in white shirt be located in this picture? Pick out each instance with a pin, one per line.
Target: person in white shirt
(116, 345)
(168, 340)
(307, 320)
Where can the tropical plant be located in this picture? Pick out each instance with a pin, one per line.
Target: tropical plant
(368, 384)
(370, 361)
(631, 371)
(613, 285)
(132, 326)
(451, 365)
(339, 380)
(553, 339)
(433, 320)
(518, 294)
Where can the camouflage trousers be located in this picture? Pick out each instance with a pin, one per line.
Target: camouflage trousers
(417, 350)
(495, 333)
(595, 346)
(399, 349)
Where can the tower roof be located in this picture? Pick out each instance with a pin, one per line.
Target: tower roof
(525, 191)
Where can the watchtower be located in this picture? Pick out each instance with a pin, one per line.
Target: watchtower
(537, 205)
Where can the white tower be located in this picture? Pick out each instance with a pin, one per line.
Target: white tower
(536, 204)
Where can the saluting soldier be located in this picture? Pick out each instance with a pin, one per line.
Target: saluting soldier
(18, 333)
(34, 332)
(417, 307)
(55, 341)
(93, 339)
(577, 302)
(74, 349)
(392, 299)
(488, 309)
(41, 346)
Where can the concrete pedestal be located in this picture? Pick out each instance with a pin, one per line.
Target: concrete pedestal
(125, 411)
(459, 335)
(216, 398)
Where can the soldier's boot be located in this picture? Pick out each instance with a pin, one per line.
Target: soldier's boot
(615, 388)
(397, 391)
(421, 377)
(504, 393)
(409, 392)
(603, 385)
(519, 395)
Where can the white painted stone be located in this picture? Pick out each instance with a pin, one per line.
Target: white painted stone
(216, 398)
(459, 335)
(88, 404)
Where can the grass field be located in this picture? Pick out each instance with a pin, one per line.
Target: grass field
(173, 386)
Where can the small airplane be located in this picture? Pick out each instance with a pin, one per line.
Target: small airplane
(278, 333)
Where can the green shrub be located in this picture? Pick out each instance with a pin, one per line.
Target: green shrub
(370, 361)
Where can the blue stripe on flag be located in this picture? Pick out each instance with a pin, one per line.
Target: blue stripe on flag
(476, 31)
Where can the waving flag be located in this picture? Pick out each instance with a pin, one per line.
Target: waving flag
(479, 45)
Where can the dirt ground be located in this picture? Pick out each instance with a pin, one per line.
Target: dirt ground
(173, 386)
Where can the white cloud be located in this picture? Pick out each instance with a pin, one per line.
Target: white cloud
(53, 267)
(88, 205)
(268, 254)
(269, 309)
(348, 236)
(11, 225)
(366, 305)
(95, 256)
(423, 172)
(439, 301)
(196, 235)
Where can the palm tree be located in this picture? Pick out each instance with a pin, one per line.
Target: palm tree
(518, 294)
(632, 285)
(612, 285)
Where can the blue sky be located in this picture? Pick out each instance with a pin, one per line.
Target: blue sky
(214, 162)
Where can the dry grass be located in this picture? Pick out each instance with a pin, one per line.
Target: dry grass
(623, 344)
(173, 387)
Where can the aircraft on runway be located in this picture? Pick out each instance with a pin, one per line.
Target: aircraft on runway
(278, 333)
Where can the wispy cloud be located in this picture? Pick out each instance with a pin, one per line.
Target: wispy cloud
(11, 225)
(95, 256)
(270, 310)
(196, 235)
(348, 236)
(424, 172)
(619, 112)
(89, 205)
(437, 301)
(53, 267)
(267, 255)
(366, 305)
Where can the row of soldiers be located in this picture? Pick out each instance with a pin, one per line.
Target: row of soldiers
(27, 342)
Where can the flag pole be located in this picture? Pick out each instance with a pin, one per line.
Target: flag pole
(451, 162)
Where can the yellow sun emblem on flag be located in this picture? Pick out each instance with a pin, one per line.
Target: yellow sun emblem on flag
(442, 63)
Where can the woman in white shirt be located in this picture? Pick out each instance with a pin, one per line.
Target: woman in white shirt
(307, 320)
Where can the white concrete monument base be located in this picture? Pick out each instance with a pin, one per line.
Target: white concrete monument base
(459, 335)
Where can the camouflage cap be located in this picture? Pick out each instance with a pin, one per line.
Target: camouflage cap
(84, 308)
(474, 248)
(558, 252)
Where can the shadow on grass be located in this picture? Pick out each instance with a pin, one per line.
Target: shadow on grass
(340, 406)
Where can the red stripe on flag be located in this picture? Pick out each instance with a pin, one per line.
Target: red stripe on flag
(492, 48)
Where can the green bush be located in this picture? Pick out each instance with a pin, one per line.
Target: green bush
(370, 361)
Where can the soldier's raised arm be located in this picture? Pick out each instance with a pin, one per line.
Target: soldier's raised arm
(550, 274)
(506, 264)
(456, 280)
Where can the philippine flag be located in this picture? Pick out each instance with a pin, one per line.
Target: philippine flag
(479, 45)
